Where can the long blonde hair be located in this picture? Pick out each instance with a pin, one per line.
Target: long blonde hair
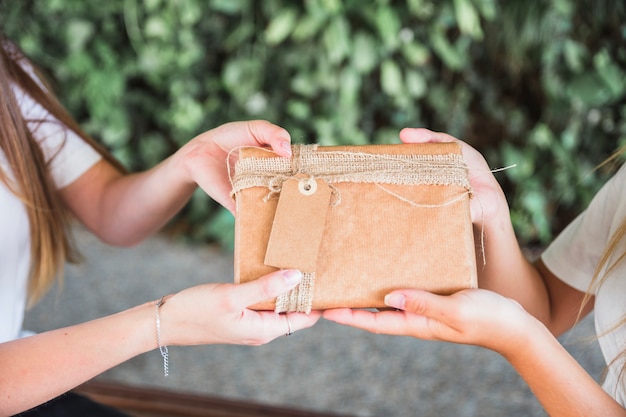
(31, 182)
(599, 277)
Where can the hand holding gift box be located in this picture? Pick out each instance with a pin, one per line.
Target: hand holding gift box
(358, 221)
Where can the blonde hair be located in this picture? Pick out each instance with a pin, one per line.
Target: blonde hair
(31, 182)
(600, 277)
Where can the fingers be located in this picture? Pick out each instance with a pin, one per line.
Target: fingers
(228, 138)
(267, 287)
(250, 133)
(299, 321)
(441, 308)
(425, 315)
(421, 135)
(396, 323)
(266, 133)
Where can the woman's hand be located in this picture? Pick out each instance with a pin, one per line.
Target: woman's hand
(488, 196)
(204, 157)
(474, 317)
(218, 313)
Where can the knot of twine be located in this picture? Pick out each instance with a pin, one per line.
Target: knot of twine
(345, 166)
(299, 153)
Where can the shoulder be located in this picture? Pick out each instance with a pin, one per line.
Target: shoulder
(576, 252)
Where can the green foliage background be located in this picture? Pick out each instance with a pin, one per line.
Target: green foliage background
(539, 84)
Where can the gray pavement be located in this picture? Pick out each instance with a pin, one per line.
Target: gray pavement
(328, 368)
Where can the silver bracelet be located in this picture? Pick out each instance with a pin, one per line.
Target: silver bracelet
(162, 348)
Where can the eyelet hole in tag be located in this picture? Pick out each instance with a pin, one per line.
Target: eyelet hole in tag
(307, 186)
(298, 226)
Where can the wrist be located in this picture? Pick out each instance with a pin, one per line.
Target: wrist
(179, 168)
(528, 338)
(162, 348)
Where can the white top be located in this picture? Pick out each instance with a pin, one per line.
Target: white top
(573, 257)
(73, 158)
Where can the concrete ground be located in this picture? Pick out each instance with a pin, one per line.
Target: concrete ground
(328, 368)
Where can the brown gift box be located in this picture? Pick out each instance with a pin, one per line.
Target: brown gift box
(358, 221)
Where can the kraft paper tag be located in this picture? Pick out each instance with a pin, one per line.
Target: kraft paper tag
(298, 225)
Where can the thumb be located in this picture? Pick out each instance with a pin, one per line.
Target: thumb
(268, 286)
(419, 302)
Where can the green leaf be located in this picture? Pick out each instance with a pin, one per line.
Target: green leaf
(330, 6)
(304, 84)
(416, 53)
(231, 7)
(157, 27)
(468, 19)
(299, 109)
(79, 32)
(151, 59)
(281, 26)
(574, 54)
(364, 53)
(242, 78)
(391, 78)
(349, 87)
(487, 8)
(615, 79)
(522, 164)
(309, 26)
(416, 84)
(222, 227)
(388, 26)
(453, 56)
(542, 136)
(588, 90)
(240, 35)
(187, 115)
(534, 201)
(423, 9)
(337, 40)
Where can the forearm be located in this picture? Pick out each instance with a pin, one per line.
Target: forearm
(41, 367)
(505, 269)
(125, 209)
(137, 205)
(560, 384)
(533, 285)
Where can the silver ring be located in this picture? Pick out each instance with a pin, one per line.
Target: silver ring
(289, 332)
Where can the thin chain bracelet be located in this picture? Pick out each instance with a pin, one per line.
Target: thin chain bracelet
(162, 348)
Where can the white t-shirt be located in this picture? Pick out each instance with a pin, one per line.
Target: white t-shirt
(575, 254)
(72, 158)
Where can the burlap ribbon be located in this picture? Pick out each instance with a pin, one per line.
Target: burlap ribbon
(343, 166)
(356, 167)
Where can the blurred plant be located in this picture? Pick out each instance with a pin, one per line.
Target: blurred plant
(538, 84)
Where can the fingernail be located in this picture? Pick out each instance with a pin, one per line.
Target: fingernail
(395, 301)
(287, 147)
(292, 276)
